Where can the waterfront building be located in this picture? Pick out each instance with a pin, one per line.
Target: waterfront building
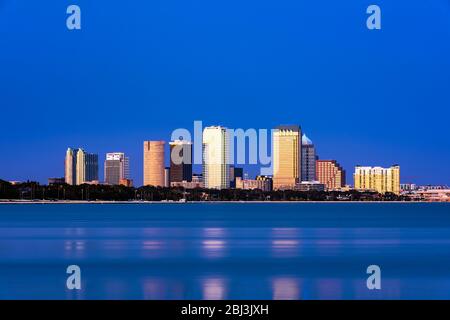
(331, 174)
(80, 167)
(117, 167)
(126, 182)
(187, 184)
(246, 184)
(263, 183)
(377, 179)
(180, 161)
(286, 157)
(56, 181)
(310, 186)
(308, 160)
(431, 195)
(154, 163)
(407, 187)
(216, 169)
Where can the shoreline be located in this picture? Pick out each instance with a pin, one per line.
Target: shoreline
(4, 202)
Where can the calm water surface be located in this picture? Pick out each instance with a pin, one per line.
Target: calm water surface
(225, 251)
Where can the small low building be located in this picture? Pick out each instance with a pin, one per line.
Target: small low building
(187, 184)
(436, 195)
(51, 181)
(310, 186)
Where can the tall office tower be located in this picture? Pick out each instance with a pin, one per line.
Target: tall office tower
(70, 166)
(180, 161)
(117, 167)
(216, 172)
(80, 166)
(308, 160)
(154, 163)
(286, 157)
(378, 179)
(330, 173)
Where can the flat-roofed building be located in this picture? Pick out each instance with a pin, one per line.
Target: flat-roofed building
(286, 157)
(117, 167)
(154, 163)
(216, 171)
(377, 179)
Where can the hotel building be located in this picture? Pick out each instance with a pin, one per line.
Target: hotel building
(216, 171)
(308, 160)
(117, 168)
(378, 179)
(331, 174)
(80, 167)
(154, 163)
(180, 161)
(286, 157)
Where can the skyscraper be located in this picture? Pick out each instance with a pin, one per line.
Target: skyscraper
(117, 168)
(180, 161)
(308, 160)
(286, 157)
(80, 166)
(154, 163)
(378, 179)
(330, 173)
(216, 158)
(70, 167)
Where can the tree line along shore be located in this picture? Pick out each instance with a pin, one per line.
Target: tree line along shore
(60, 192)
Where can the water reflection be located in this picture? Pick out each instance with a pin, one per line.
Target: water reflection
(286, 289)
(214, 289)
(263, 252)
(213, 248)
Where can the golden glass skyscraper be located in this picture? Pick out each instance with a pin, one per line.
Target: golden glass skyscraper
(287, 146)
(154, 163)
(216, 169)
(378, 179)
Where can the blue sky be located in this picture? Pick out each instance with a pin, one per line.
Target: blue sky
(139, 69)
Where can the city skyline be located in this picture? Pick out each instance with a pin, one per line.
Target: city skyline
(307, 151)
(363, 97)
(294, 162)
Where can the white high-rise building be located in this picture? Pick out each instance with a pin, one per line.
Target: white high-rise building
(80, 166)
(216, 170)
(117, 167)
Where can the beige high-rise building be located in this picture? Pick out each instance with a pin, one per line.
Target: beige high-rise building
(378, 179)
(154, 163)
(70, 164)
(80, 167)
(287, 146)
(216, 166)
